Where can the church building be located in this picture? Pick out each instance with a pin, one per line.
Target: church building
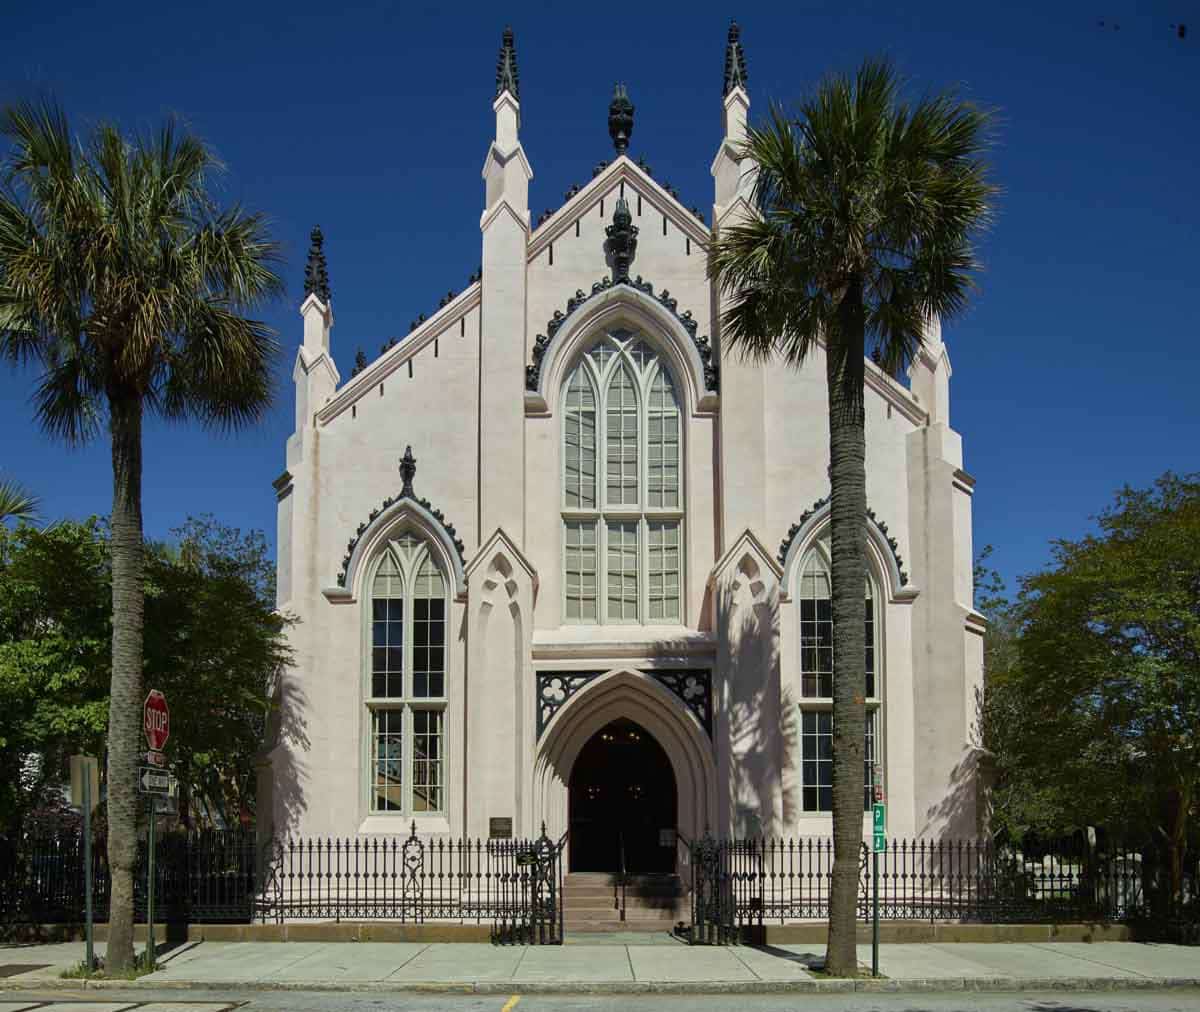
(558, 557)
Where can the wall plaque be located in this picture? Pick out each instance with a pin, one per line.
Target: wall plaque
(500, 829)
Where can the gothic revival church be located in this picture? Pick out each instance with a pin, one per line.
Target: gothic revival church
(557, 556)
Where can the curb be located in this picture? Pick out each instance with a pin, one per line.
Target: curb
(508, 987)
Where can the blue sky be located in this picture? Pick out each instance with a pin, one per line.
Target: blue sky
(1074, 372)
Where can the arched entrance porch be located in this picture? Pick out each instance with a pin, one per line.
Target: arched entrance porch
(621, 803)
(624, 695)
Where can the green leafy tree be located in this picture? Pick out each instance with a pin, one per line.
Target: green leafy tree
(214, 646)
(866, 208)
(126, 285)
(1095, 721)
(54, 656)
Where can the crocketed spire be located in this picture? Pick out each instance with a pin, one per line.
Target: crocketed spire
(316, 272)
(507, 78)
(735, 61)
(620, 119)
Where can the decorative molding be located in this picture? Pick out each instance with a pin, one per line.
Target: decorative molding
(785, 545)
(408, 470)
(735, 61)
(891, 543)
(541, 343)
(316, 271)
(745, 543)
(692, 686)
(282, 484)
(975, 623)
(507, 78)
(554, 688)
(821, 506)
(500, 541)
(620, 119)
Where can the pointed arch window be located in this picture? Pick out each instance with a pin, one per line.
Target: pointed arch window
(622, 492)
(816, 686)
(406, 681)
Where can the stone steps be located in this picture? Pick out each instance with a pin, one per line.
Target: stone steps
(591, 903)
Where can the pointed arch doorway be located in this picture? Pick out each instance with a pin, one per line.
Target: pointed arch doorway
(622, 802)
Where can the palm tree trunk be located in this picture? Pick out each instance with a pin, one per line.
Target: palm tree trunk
(848, 505)
(125, 698)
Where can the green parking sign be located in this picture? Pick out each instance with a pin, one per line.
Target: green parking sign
(879, 811)
(879, 843)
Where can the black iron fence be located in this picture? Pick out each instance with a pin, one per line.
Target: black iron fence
(746, 884)
(514, 885)
(206, 876)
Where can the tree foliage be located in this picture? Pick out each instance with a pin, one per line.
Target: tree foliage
(54, 650)
(214, 646)
(1094, 716)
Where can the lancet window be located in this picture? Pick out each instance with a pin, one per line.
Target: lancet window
(622, 488)
(816, 686)
(406, 681)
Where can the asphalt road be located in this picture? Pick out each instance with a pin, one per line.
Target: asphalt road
(300, 1001)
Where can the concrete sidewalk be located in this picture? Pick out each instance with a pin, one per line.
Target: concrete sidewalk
(583, 968)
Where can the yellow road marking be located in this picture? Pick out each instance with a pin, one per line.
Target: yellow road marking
(511, 1003)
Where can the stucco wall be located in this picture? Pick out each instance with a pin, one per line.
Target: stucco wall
(489, 458)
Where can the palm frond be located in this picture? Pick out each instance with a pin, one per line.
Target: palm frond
(16, 503)
(120, 276)
(858, 191)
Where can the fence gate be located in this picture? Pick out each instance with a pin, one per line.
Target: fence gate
(713, 910)
(530, 908)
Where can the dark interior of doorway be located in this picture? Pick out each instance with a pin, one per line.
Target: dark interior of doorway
(622, 803)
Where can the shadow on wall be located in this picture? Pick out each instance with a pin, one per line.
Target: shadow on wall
(283, 773)
(957, 815)
(755, 720)
(962, 814)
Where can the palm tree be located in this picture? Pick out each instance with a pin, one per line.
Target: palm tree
(16, 503)
(126, 285)
(866, 210)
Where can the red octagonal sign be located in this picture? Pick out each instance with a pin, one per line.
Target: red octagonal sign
(156, 719)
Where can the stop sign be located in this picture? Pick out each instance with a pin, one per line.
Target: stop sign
(156, 719)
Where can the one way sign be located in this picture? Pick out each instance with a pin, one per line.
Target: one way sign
(152, 781)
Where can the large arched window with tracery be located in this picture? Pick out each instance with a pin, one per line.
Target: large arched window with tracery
(622, 491)
(816, 685)
(406, 680)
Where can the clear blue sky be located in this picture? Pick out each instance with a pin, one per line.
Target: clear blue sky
(1076, 370)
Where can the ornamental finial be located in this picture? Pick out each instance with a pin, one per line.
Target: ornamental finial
(408, 471)
(507, 78)
(620, 119)
(316, 272)
(622, 240)
(735, 61)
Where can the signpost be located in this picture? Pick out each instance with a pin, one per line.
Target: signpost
(878, 845)
(156, 722)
